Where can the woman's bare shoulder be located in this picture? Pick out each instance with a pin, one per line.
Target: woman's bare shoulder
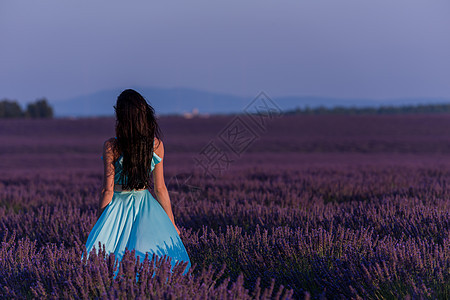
(110, 146)
(159, 147)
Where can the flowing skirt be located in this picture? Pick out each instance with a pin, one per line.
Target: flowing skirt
(136, 220)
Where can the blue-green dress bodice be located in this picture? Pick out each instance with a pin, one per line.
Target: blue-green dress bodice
(118, 167)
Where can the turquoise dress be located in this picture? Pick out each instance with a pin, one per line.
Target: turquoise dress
(135, 220)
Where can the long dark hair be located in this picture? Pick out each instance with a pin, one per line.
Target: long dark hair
(136, 128)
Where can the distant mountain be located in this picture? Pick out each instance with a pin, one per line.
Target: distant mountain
(165, 101)
(184, 100)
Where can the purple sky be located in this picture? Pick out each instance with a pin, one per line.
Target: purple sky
(341, 48)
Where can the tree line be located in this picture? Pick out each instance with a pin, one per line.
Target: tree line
(38, 109)
(382, 110)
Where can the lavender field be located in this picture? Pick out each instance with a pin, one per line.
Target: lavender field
(308, 207)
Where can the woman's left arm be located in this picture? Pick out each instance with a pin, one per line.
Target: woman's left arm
(108, 177)
(162, 195)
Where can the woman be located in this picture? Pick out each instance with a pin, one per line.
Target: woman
(128, 215)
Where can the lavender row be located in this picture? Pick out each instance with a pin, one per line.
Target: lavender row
(57, 272)
(266, 226)
(340, 261)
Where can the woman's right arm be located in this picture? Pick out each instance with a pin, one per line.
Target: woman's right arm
(108, 176)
